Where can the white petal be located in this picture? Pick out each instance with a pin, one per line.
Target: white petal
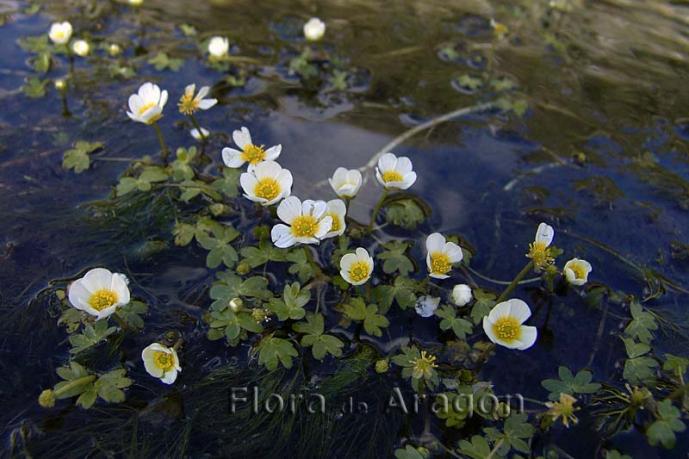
(499, 310)
(454, 252)
(387, 162)
(97, 278)
(435, 243)
(170, 377)
(267, 169)
(348, 260)
(232, 158)
(408, 181)
(404, 165)
(273, 152)
(281, 236)
(248, 182)
(527, 338)
(545, 234)
(205, 104)
(163, 100)
(324, 226)
(289, 209)
(79, 295)
(119, 286)
(241, 137)
(519, 310)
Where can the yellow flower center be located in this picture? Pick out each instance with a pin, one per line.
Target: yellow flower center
(188, 104)
(305, 226)
(423, 366)
(440, 263)
(392, 176)
(267, 188)
(59, 35)
(253, 154)
(336, 222)
(507, 328)
(163, 360)
(145, 107)
(578, 269)
(358, 271)
(539, 252)
(102, 299)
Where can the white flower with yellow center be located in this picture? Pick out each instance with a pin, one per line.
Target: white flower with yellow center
(346, 183)
(218, 47)
(147, 105)
(136, 2)
(314, 29)
(267, 183)
(60, 32)
(114, 49)
(577, 271)
(356, 268)
(161, 362)
(81, 48)
(190, 102)
(99, 293)
(461, 294)
(306, 222)
(337, 210)
(395, 173)
(250, 153)
(503, 325)
(199, 135)
(538, 249)
(441, 255)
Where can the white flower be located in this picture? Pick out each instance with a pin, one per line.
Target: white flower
(544, 235)
(577, 271)
(250, 153)
(190, 103)
(394, 172)
(218, 46)
(337, 210)
(99, 292)
(114, 49)
(199, 136)
(314, 29)
(147, 105)
(503, 325)
(161, 362)
(306, 223)
(81, 48)
(136, 2)
(426, 305)
(441, 255)
(266, 183)
(356, 268)
(346, 183)
(461, 294)
(60, 32)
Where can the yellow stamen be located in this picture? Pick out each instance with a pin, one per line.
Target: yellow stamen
(305, 226)
(358, 271)
(507, 329)
(440, 263)
(146, 107)
(564, 408)
(392, 176)
(188, 104)
(267, 188)
(253, 154)
(336, 222)
(163, 360)
(423, 366)
(102, 299)
(578, 269)
(539, 252)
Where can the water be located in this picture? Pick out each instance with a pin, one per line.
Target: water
(601, 154)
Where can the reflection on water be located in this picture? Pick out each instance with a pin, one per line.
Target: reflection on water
(601, 154)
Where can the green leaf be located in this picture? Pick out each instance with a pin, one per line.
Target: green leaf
(291, 306)
(274, 350)
(640, 370)
(476, 448)
(230, 286)
(162, 61)
(459, 326)
(132, 312)
(301, 266)
(570, 384)
(404, 292)
(409, 452)
(77, 158)
(90, 336)
(228, 184)
(394, 258)
(219, 247)
(34, 87)
(482, 306)
(635, 349)
(642, 325)
(514, 436)
(668, 421)
(405, 213)
(321, 344)
(109, 386)
(265, 252)
(676, 364)
(358, 311)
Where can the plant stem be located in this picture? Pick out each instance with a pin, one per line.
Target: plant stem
(376, 210)
(525, 270)
(198, 127)
(161, 140)
(74, 383)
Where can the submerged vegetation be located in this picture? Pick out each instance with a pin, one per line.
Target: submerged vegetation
(320, 322)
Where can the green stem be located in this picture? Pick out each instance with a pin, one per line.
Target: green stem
(161, 140)
(74, 383)
(198, 127)
(376, 210)
(525, 270)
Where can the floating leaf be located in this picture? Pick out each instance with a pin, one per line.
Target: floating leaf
(570, 384)
(274, 350)
(77, 158)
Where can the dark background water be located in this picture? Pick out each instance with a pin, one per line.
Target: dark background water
(606, 79)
